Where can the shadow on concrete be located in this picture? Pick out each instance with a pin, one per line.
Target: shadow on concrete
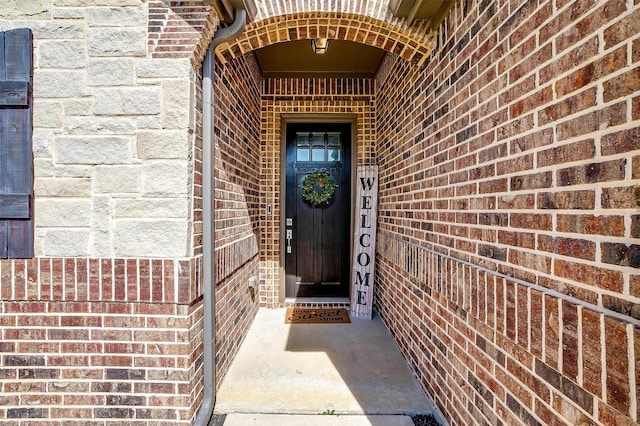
(340, 369)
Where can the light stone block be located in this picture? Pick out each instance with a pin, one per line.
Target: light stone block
(47, 114)
(99, 126)
(101, 213)
(63, 212)
(68, 13)
(62, 54)
(164, 68)
(117, 42)
(38, 243)
(66, 243)
(117, 179)
(92, 150)
(62, 187)
(42, 142)
(164, 145)
(102, 245)
(149, 122)
(130, 101)
(58, 84)
(58, 30)
(159, 238)
(101, 226)
(111, 72)
(165, 179)
(116, 17)
(78, 107)
(21, 9)
(72, 171)
(43, 167)
(87, 3)
(176, 103)
(152, 208)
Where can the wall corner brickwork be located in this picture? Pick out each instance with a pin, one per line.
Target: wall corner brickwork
(181, 29)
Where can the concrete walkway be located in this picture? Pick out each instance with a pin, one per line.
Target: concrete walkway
(325, 375)
(315, 420)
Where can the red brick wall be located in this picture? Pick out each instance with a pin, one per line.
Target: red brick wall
(180, 29)
(509, 234)
(99, 338)
(372, 24)
(237, 87)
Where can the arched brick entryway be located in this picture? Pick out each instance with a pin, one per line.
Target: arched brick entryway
(184, 29)
(384, 32)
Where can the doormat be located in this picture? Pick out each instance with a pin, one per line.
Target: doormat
(317, 316)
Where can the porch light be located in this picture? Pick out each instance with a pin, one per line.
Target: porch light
(320, 45)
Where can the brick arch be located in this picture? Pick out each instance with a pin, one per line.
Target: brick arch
(413, 43)
(185, 28)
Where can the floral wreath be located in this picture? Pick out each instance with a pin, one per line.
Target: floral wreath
(322, 181)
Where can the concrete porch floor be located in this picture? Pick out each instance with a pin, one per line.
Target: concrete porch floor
(354, 371)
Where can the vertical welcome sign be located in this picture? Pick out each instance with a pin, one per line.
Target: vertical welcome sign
(364, 245)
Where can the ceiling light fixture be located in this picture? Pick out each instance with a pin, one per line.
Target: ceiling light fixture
(320, 45)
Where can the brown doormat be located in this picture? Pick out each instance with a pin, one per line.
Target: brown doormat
(317, 316)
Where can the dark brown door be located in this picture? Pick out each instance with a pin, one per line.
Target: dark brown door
(317, 236)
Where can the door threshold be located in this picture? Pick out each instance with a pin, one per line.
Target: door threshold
(290, 301)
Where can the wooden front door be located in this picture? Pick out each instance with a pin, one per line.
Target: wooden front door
(317, 236)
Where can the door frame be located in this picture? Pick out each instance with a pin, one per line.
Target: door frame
(285, 119)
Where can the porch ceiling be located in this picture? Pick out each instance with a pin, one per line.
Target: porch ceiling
(343, 59)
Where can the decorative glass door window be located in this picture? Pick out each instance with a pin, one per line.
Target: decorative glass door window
(311, 147)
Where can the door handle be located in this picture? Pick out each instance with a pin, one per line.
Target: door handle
(289, 238)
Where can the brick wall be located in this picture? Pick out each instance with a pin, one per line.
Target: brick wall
(99, 339)
(362, 21)
(237, 87)
(509, 240)
(180, 29)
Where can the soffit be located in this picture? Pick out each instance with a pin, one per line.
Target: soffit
(411, 25)
(344, 59)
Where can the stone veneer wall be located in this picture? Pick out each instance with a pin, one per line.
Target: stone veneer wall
(113, 133)
(295, 97)
(509, 233)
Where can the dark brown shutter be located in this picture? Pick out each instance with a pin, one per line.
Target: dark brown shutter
(16, 158)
